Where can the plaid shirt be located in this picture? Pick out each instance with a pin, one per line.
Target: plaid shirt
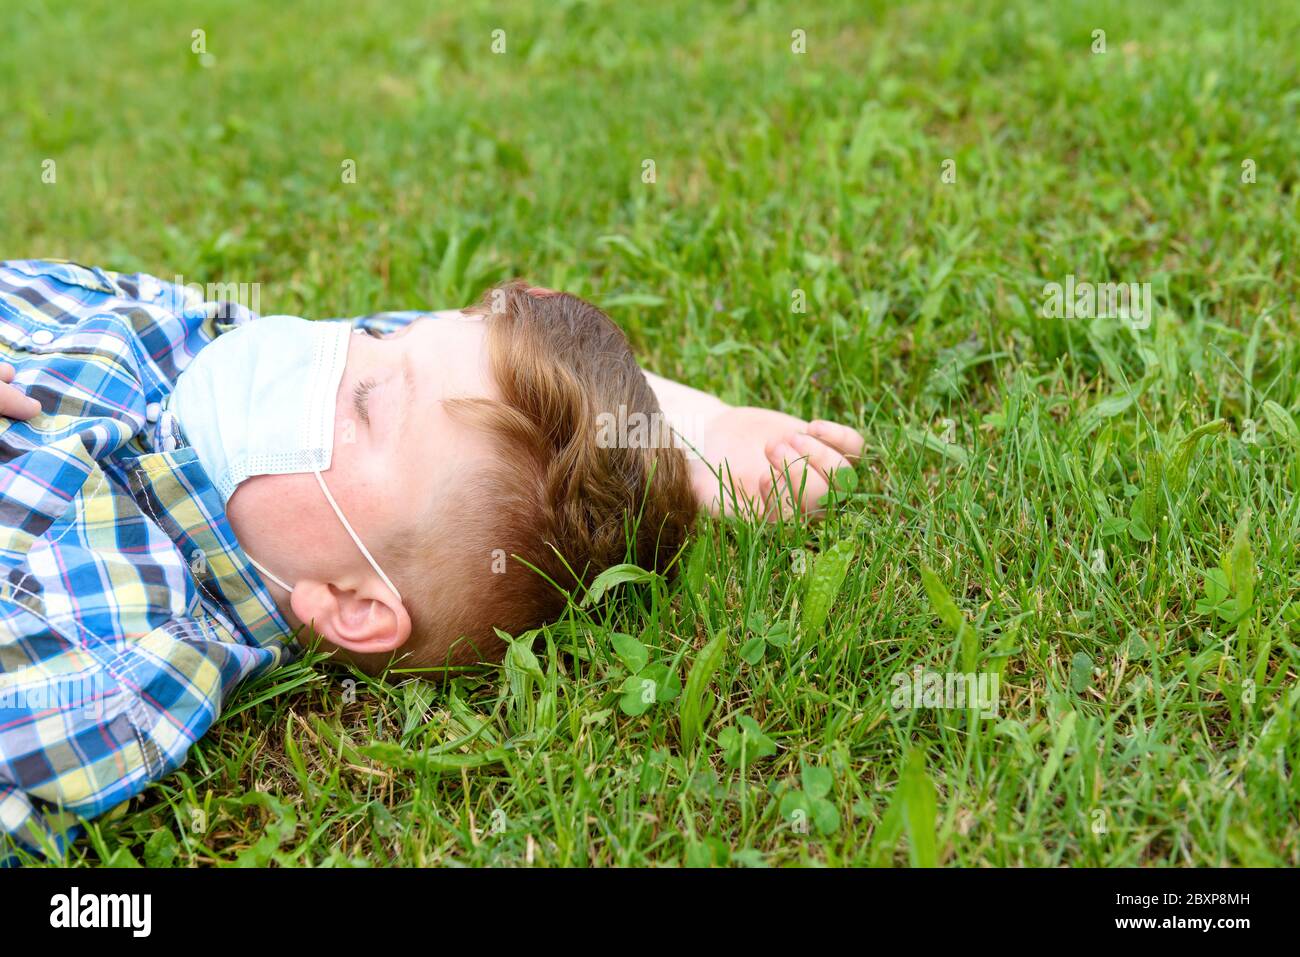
(128, 612)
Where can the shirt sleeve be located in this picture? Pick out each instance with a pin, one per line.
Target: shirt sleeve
(76, 743)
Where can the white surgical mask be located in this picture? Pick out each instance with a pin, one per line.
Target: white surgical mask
(259, 400)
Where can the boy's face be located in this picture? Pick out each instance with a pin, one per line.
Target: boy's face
(399, 459)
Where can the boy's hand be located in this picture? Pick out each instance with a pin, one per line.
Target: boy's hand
(779, 464)
(13, 404)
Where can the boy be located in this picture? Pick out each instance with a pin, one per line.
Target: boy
(184, 488)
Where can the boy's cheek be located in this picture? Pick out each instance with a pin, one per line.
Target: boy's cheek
(275, 505)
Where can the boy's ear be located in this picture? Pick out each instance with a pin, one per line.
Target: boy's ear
(363, 622)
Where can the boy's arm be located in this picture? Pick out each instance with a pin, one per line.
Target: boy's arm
(750, 459)
(689, 411)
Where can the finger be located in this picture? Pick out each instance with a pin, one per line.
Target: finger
(798, 484)
(844, 440)
(776, 501)
(765, 487)
(15, 405)
(6, 372)
(773, 500)
(821, 456)
(798, 491)
(773, 489)
(760, 506)
(810, 495)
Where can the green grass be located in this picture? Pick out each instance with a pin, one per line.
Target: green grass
(1142, 720)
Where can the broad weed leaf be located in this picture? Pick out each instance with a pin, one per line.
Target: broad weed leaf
(745, 741)
(1239, 565)
(695, 705)
(667, 685)
(1139, 521)
(829, 570)
(919, 806)
(816, 781)
(1080, 672)
(631, 652)
(941, 601)
(825, 816)
(751, 652)
(943, 605)
(638, 695)
(1180, 465)
(1281, 423)
(1152, 494)
(615, 575)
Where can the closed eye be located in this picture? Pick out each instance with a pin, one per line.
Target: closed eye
(360, 393)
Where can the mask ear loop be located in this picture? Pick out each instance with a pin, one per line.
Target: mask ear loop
(355, 537)
(261, 568)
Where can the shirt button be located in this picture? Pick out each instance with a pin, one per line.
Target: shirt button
(42, 337)
(152, 411)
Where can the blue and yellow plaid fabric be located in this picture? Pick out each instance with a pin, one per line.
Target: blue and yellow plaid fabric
(128, 612)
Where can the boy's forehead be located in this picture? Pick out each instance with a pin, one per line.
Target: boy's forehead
(455, 315)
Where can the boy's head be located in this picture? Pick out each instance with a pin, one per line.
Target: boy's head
(467, 458)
